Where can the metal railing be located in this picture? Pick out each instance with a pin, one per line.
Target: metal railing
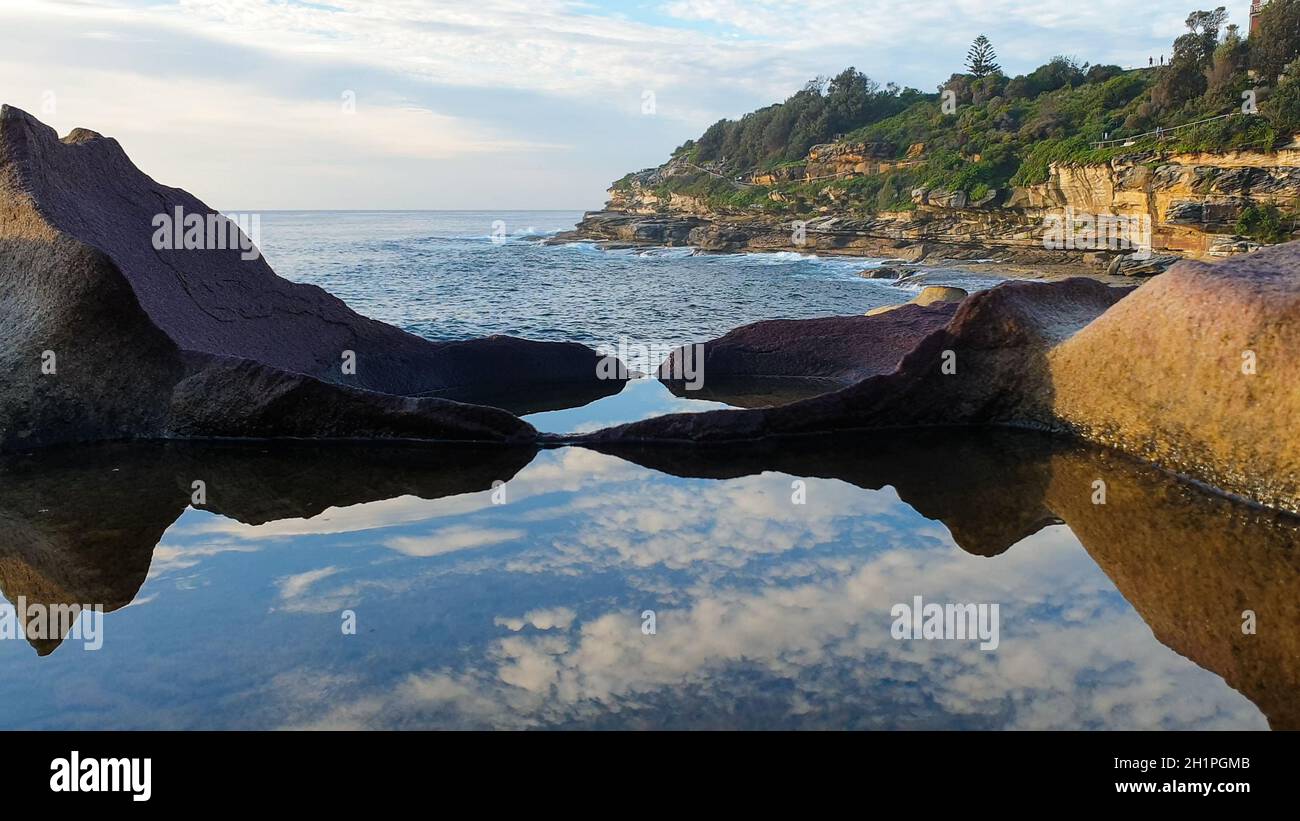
(1161, 133)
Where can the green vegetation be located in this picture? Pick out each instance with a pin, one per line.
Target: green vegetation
(982, 60)
(1265, 223)
(984, 132)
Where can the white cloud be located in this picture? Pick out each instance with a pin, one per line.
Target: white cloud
(297, 585)
(491, 103)
(551, 618)
(452, 539)
(829, 638)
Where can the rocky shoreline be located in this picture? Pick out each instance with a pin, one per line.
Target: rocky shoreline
(108, 337)
(620, 230)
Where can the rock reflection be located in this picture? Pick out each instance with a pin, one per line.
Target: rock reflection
(1190, 562)
(81, 524)
(753, 391)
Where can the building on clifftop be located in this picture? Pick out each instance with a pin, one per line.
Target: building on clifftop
(1256, 7)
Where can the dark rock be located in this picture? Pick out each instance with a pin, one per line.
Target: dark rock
(753, 391)
(235, 398)
(1223, 212)
(998, 339)
(1131, 267)
(82, 523)
(838, 349)
(1238, 181)
(947, 199)
(1185, 212)
(126, 324)
(914, 253)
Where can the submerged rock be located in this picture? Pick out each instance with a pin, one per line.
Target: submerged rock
(111, 327)
(883, 272)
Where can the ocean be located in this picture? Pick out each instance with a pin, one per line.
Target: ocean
(466, 274)
(462, 274)
(770, 586)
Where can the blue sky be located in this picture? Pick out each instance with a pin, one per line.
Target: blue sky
(490, 104)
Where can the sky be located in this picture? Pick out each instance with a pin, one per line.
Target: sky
(488, 104)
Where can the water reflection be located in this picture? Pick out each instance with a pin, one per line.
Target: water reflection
(521, 606)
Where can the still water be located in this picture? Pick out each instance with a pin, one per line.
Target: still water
(752, 586)
(771, 571)
(441, 275)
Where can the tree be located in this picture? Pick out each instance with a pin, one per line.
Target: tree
(1283, 106)
(1226, 77)
(1184, 79)
(1277, 41)
(981, 60)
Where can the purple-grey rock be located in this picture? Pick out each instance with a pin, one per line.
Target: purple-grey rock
(107, 335)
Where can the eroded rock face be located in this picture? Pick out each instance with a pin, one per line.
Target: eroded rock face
(103, 335)
(1197, 371)
(1191, 203)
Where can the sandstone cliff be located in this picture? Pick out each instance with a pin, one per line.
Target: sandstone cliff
(1179, 205)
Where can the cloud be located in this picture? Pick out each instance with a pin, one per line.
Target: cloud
(170, 556)
(557, 618)
(451, 540)
(820, 645)
(297, 585)
(491, 103)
